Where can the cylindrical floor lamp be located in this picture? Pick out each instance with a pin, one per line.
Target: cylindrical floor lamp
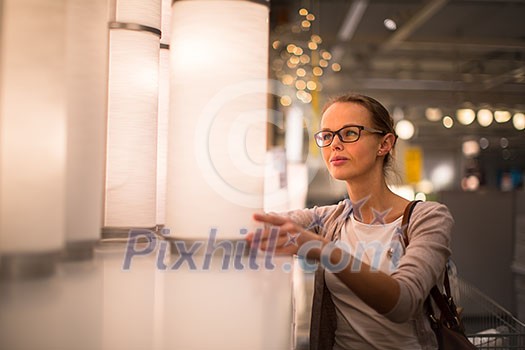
(87, 77)
(163, 116)
(33, 136)
(131, 164)
(217, 126)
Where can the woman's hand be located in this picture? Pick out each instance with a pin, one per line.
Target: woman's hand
(284, 236)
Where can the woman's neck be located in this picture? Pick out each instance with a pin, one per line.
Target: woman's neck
(373, 202)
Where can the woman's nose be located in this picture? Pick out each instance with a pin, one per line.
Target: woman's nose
(337, 144)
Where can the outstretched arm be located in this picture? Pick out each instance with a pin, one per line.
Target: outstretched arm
(398, 295)
(377, 289)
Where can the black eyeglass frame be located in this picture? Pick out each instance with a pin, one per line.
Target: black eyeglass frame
(338, 133)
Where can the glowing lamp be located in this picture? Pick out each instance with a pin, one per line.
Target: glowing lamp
(218, 113)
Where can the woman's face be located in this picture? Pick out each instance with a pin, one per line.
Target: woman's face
(346, 161)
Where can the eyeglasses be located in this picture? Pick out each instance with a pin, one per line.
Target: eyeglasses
(347, 134)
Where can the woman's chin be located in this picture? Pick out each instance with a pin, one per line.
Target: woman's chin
(338, 175)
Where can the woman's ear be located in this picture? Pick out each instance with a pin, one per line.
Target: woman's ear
(387, 144)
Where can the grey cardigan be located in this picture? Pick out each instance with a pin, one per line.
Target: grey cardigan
(419, 269)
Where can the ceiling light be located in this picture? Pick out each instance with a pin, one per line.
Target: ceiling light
(433, 114)
(448, 122)
(307, 98)
(465, 116)
(502, 116)
(470, 183)
(287, 79)
(317, 71)
(316, 39)
(519, 121)
(442, 176)
(398, 114)
(311, 85)
(405, 129)
(300, 85)
(305, 59)
(484, 143)
(326, 55)
(312, 45)
(470, 148)
(390, 24)
(304, 96)
(286, 100)
(485, 117)
(506, 154)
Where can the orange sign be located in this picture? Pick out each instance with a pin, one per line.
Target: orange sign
(413, 164)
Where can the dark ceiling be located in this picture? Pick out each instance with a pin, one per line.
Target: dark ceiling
(442, 54)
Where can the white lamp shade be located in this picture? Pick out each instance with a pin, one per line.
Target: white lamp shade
(218, 113)
(165, 22)
(163, 116)
(87, 66)
(132, 129)
(146, 13)
(162, 134)
(32, 126)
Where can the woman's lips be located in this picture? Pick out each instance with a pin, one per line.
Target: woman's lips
(338, 160)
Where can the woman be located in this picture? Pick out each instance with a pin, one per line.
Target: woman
(369, 289)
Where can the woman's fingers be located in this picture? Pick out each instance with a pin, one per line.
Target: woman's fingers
(271, 219)
(280, 235)
(281, 232)
(278, 225)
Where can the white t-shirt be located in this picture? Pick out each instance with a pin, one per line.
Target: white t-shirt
(358, 325)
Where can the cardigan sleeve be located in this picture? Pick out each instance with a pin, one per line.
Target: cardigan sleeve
(422, 266)
(316, 219)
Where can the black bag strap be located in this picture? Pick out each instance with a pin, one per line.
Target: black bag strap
(443, 301)
(406, 219)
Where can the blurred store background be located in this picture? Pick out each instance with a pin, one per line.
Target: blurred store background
(174, 117)
(452, 74)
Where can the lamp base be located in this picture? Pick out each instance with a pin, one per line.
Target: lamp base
(79, 250)
(122, 233)
(28, 265)
(236, 246)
